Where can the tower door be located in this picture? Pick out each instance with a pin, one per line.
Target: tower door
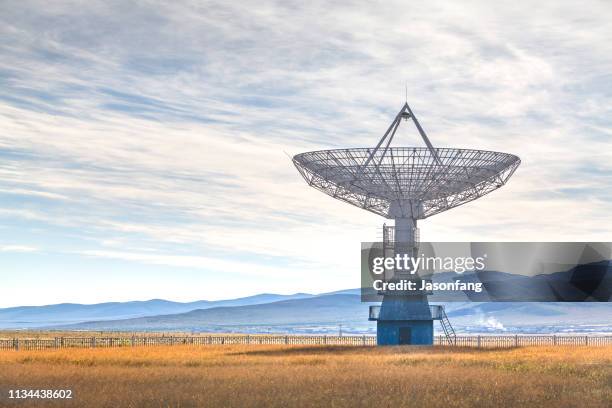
(405, 334)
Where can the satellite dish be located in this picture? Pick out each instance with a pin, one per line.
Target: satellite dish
(406, 182)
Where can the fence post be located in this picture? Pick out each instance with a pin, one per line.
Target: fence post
(554, 339)
(16, 344)
(478, 342)
(56, 343)
(172, 340)
(363, 340)
(286, 339)
(132, 341)
(516, 340)
(586, 340)
(93, 342)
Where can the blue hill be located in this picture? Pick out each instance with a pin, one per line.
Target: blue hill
(65, 313)
(301, 313)
(325, 313)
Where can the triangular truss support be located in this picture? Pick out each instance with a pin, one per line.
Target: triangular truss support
(405, 113)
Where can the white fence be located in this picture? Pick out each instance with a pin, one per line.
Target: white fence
(363, 340)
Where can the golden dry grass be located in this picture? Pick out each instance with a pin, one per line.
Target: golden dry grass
(254, 376)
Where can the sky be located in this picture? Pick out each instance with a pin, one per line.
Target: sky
(145, 146)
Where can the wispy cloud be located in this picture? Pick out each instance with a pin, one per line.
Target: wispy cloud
(163, 126)
(17, 248)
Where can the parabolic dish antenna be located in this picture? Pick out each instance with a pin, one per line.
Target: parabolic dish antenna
(406, 182)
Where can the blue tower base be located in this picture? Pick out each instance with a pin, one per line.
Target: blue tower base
(397, 332)
(404, 319)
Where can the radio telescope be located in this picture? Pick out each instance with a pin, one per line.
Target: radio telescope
(406, 184)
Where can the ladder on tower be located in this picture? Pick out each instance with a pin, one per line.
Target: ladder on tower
(451, 337)
(388, 236)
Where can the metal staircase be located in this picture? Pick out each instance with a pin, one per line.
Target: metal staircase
(451, 337)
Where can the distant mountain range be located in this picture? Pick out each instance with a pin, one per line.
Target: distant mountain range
(585, 282)
(300, 313)
(66, 313)
(315, 311)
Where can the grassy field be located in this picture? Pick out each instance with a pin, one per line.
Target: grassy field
(253, 376)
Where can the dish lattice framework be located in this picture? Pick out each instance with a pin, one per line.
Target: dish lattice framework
(432, 179)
